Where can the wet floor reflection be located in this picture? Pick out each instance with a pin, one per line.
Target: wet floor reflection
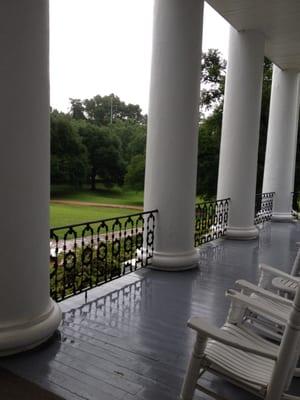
(130, 341)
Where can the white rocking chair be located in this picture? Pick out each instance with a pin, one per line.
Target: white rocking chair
(268, 274)
(266, 310)
(244, 358)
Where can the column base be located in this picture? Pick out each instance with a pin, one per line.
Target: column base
(238, 233)
(19, 338)
(175, 261)
(282, 217)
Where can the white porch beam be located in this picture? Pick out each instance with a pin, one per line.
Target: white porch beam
(240, 131)
(171, 157)
(27, 314)
(279, 172)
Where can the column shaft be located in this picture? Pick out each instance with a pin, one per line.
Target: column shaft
(171, 158)
(27, 315)
(240, 131)
(281, 148)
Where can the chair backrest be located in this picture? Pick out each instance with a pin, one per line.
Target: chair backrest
(288, 354)
(296, 265)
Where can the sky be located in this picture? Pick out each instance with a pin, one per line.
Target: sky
(104, 46)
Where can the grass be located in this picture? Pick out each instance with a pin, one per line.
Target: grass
(61, 215)
(114, 195)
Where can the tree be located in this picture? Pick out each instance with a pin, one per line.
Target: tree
(264, 119)
(103, 110)
(208, 154)
(135, 175)
(69, 161)
(104, 153)
(212, 97)
(297, 170)
(77, 109)
(132, 137)
(213, 68)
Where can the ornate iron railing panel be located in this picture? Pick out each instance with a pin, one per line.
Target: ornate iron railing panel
(263, 207)
(211, 220)
(86, 255)
(295, 203)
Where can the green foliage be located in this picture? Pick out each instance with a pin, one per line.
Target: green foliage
(264, 118)
(212, 79)
(104, 151)
(77, 109)
(69, 161)
(132, 137)
(96, 141)
(136, 173)
(115, 195)
(208, 154)
(297, 170)
(103, 110)
(212, 96)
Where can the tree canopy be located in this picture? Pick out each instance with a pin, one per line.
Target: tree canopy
(96, 141)
(104, 110)
(69, 158)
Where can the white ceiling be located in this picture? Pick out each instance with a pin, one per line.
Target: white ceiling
(278, 20)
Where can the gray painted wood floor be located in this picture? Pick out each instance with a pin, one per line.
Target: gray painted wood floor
(130, 341)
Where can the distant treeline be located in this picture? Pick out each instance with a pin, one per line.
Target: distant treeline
(103, 139)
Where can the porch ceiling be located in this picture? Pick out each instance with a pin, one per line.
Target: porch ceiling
(278, 20)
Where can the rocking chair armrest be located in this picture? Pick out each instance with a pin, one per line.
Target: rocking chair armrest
(204, 328)
(254, 304)
(250, 287)
(276, 272)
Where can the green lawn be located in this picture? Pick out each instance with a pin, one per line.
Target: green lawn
(101, 195)
(61, 215)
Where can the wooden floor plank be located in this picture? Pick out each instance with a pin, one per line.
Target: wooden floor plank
(130, 340)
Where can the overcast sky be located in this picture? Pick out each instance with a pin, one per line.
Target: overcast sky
(104, 46)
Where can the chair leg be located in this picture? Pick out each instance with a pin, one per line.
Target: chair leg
(192, 374)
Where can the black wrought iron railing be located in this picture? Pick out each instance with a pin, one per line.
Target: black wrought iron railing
(295, 203)
(263, 207)
(86, 255)
(211, 220)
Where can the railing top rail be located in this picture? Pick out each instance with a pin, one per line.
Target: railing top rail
(260, 194)
(213, 201)
(103, 220)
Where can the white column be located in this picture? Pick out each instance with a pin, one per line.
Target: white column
(281, 149)
(240, 131)
(27, 314)
(171, 159)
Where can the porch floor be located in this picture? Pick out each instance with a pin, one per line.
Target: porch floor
(130, 340)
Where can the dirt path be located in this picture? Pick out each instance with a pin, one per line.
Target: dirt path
(91, 204)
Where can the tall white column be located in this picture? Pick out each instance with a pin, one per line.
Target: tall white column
(240, 131)
(171, 159)
(281, 149)
(27, 314)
